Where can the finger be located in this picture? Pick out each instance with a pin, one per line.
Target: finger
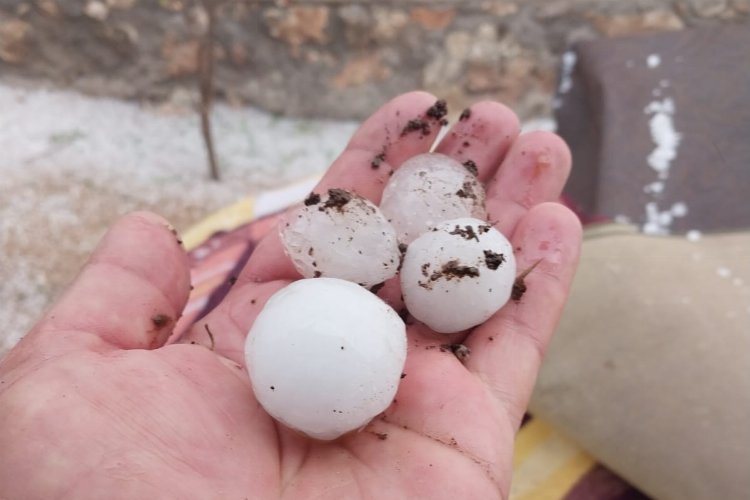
(507, 350)
(534, 171)
(380, 145)
(225, 328)
(392, 135)
(130, 292)
(483, 135)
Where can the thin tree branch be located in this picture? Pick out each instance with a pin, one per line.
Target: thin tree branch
(207, 85)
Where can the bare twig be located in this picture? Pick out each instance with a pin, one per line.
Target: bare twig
(210, 336)
(207, 85)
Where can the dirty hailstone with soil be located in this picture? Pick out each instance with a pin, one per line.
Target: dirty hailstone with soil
(428, 189)
(325, 355)
(341, 235)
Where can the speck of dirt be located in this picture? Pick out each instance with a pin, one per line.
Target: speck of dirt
(160, 320)
(438, 111)
(403, 376)
(311, 251)
(342, 348)
(485, 228)
(402, 247)
(519, 288)
(232, 280)
(466, 191)
(461, 351)
(466, 144)
(192, 288)
(252, 301)
(415, 125)
(471, 167)
(337, 199)
(376, 288)
(273, 388)
(315, 263)
(425, 267)
(312, 199)
(379, 158)
(493, 260)
(492, 339)
(317, 274)
(381, 435)
(465, 114)
(467, 232)
(453, 442)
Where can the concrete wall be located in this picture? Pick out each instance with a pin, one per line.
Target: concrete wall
(323, 58)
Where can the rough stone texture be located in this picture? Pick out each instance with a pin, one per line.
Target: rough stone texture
(326, 58)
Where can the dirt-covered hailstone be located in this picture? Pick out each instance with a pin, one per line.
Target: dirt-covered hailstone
(341, 235)
(458, 275)
(325, 356)
(428, 189)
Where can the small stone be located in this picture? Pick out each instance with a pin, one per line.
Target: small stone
(96, 10)
(630, 24)
(432, 18)
(298, 25)
(14, 34)
(181, 58)
(360, 70)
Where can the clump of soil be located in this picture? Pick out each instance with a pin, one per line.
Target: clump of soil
(466, 233)
(337, 199)
(438, 111)
(465, 114)
(461, 351)
(451, 269)
(416, 124)
(519, 289)
(312, 199)
(519, 285)
(493, 260)
(471, 167)
(466, 191)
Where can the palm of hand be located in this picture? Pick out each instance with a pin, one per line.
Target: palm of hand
(88, 412)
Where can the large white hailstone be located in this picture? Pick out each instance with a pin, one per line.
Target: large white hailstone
(428, 189)
(458, 275)
(325, 356)
(341, 235)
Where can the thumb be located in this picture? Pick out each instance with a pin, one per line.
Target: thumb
(127, 296)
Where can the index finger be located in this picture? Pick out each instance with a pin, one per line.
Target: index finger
(404, 127)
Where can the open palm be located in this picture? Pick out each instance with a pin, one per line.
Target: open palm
(98, 401)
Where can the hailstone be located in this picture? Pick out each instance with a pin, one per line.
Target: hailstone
(341, 235)
(457, 275)
(428, 189)
(325, 356)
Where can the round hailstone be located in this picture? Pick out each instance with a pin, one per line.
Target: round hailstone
(428, 189)
(341, 235)
(458, 275)
(325, 356)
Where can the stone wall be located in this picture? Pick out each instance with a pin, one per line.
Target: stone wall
(330, 58)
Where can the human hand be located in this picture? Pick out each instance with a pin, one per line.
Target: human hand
(93, 404)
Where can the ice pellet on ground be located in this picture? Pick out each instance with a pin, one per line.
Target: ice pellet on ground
(325, 356)
(341, 235)
(428, 189)
(458, 275)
